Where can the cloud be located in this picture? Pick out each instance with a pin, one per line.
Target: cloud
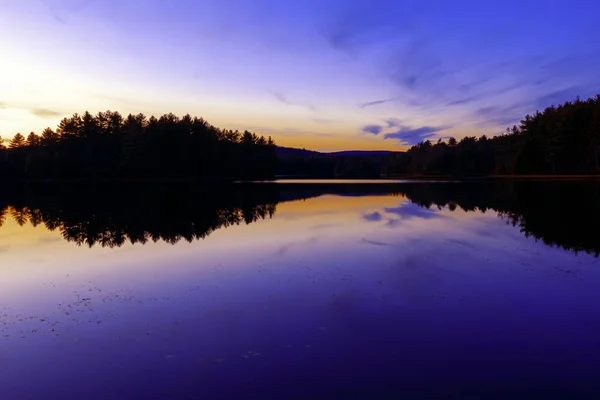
(464, 100)
(501, 116)
(393, 122)
(558, 97)
(45, 113)
(49, 239)
(282, 98)
(411, 136)
(373, 129)
(373, 242)
(323, 121)
(377, 129)
(373, 217)
(58, 8)
(409, 210)
(374, 103)
(360, 23)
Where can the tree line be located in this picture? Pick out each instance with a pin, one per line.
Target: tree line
(109, 146)
(562, 139)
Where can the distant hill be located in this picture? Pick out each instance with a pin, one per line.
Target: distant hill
(314, 164)
(363, 153)
(286, 152)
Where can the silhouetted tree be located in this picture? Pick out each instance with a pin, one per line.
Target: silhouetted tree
(49, 137)
(562, 139)
(17, 141)
(33, 139)
(107, 146)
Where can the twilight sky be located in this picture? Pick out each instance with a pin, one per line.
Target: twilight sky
(320, 74)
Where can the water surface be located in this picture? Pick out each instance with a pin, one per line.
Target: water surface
(330, 290)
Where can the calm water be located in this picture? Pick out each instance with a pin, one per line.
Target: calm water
(397, 290)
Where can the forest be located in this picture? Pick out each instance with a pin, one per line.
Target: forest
(560, 140)
(108, 147)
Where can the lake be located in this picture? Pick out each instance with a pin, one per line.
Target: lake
(377, 290)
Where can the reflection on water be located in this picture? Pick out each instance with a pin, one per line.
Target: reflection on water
(564, 214)
(461, 290)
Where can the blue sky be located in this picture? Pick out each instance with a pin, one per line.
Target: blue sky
(325, 74)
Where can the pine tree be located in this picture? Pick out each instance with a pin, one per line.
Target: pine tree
(18, 141)
(33, 140)
(49, 137)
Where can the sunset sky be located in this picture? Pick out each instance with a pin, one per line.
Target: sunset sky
(319, 74)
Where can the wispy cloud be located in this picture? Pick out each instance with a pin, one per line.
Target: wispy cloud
(282, 98)
(376, 102)
(45, 112)
(58, 8)
(373, 242)
(559, 96)
(393, 122)
(323, 120)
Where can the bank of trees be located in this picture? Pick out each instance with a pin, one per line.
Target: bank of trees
(109, 146)
(562, 139)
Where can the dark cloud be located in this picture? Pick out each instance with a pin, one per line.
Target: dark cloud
(373, 129)
(411, 136)
(373, 217)
(45, 113)
(377, 129)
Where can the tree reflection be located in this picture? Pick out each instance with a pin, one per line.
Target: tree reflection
(113, 216)
(564, 214)
(559, 213)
